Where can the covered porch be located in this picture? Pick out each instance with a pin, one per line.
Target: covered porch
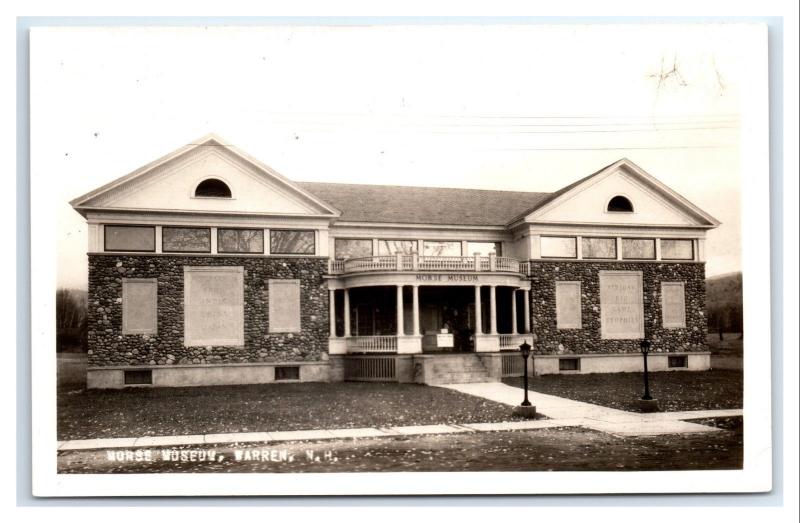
(433, 319)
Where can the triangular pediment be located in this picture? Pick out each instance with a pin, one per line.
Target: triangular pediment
(169, 184)
(586, 201)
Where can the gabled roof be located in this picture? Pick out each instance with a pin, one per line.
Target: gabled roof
(424, 205)
(631, 168)
(210, 140)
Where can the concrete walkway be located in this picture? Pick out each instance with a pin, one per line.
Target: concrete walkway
(620, 423)
(304, 435)
(605, 419)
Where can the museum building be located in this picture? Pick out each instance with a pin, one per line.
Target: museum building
(208, 267)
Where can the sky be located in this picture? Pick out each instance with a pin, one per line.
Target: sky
(528, 108)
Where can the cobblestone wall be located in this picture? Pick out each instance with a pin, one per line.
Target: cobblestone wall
(107, 345)
(548, 339)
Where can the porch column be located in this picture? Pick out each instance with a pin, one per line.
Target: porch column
(478, 326)
(513, 311)
(492, 309)
(526, 296)
(332, 311)
(347, 313)
(400, 329)
(415, 309)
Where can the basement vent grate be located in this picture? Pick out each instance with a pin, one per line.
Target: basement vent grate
(138, 377)
(566, 364)
(287, 373)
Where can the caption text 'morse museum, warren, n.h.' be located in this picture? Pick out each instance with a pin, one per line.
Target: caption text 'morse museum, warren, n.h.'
(208, 267)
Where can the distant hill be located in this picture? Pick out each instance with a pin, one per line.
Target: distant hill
(724, 302)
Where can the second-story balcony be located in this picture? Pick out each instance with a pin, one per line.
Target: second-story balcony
(417, 263)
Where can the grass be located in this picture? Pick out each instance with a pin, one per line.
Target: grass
(561, 449)
(675, 391)
(732, 343)
(84, 414)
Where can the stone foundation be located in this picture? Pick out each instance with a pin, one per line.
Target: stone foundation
(204, 375)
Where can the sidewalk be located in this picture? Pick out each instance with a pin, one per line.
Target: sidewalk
(562, 413)
(605, 419)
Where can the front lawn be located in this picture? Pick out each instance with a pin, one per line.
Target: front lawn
(675, 391)
(261, 408)
(557, 449)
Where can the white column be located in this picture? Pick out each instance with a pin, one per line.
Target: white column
(415, 310)
(400, 329)
(526, 294)
(513, 311)
(332, 311)
(478, 326)
(347, 313)
(214, 240)
(492, 309)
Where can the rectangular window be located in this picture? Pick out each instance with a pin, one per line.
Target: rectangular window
(392, 247)
(673, 305)
(568, 364)
(436, 248)
(677, 249)
(351, 248)
(599, 248)
(291, 242)
(185, 239)
(287, 373)
(568, 304)
(284, 305)
(559, 247)
(138, 377)
(484, 248)
(638, 249)
(213, 306)
(621, 305)
(250, 241)
(135, 238)
(677, 362)
(139, 305)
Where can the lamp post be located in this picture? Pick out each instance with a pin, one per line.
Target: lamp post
(525, 349)
(525, 409)
(644, 346)
(646, 403)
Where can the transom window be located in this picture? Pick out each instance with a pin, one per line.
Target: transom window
(559, 247)
(638, 249)
(392, 247)
(438, 248)
(345, 248)
(619, 204)
(291, 242)
(213, 188)
(484, 248)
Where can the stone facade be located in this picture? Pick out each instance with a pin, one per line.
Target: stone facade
(548, 339)
(109, 347)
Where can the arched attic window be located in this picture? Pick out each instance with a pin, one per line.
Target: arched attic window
(213, 188)
(619, 204)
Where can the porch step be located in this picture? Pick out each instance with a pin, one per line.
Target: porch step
(455, 368)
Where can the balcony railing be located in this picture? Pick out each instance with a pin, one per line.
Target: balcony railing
(371, 344)
(414, 262)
